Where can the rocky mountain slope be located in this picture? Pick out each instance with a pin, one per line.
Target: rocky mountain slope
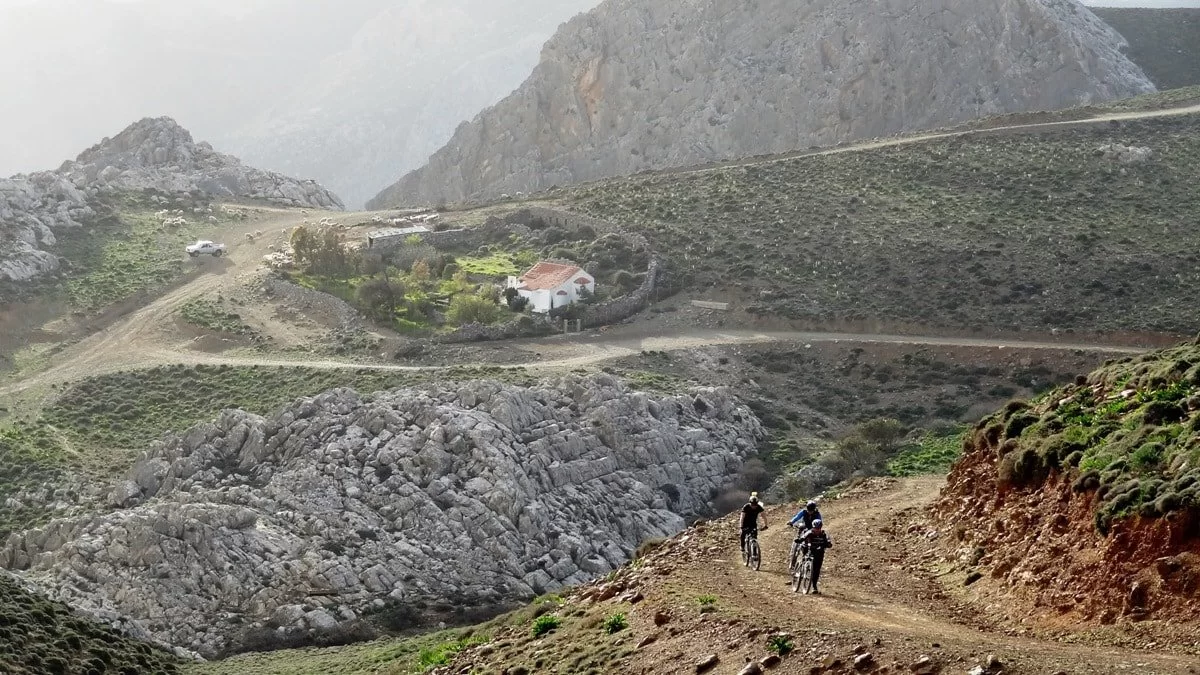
(153, 154)
(425, 501)
(1084, 504)
(638, 85)
(1165, 43)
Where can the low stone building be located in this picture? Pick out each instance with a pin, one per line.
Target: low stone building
(393, 237)
(548, 285)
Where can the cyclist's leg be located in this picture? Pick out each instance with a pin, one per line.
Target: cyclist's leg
(818, 558)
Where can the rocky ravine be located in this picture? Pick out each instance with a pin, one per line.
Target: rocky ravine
(152, 153)
(642, 84)
(466, 498)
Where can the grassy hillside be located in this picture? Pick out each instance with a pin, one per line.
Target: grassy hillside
(1099, 479)
(1129, 431)
(38, 636)
(1164, 42)
(999, 231)
(99, 424)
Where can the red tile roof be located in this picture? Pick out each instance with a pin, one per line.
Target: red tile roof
(546, 276)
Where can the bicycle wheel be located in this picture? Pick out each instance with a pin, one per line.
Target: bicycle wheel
(746, 552)
(755, 555)
(793, 558)
(805, 578)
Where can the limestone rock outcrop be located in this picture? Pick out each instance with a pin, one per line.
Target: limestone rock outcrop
(152, 153)
(647, 84)
(342, 504)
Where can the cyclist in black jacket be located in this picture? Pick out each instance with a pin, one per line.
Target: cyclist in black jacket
(816, 540)
(749, 520)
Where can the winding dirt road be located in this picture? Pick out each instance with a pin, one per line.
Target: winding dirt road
(136, 340)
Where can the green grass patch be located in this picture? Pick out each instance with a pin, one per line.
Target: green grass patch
(128, 251)
(399, 656)
(615, 623)
(544, 624)
(934, 454)
(211, 315)
(495, 265)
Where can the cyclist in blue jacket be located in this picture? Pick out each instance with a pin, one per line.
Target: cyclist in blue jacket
(807, 515)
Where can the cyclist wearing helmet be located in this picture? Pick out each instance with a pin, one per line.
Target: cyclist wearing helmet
(749, 521)
(816, 540)
(806, 516)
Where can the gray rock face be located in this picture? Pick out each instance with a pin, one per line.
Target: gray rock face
(642, 84)
(153, 153)
(338, 503)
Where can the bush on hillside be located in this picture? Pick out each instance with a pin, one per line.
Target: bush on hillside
(466, 309)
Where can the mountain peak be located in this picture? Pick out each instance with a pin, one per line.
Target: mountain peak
(646, 84)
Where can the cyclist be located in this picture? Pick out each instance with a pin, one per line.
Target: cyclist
(816, 540)
(749, 520)
(806, 515)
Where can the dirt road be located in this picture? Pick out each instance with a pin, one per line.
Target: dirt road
(873, 597)
(936, 135)
(137, 340)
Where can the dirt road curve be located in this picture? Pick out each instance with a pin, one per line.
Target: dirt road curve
(867, 589)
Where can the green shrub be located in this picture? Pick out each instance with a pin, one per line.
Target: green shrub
(780, 644)
(614, 623)
(466, 309)
(544, 624)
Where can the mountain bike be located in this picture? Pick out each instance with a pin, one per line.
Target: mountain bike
(751, 553)
(794, 555)
(802, 576)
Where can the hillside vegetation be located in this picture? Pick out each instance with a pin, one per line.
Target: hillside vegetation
(1101, 474)
(40, 636)
(1004, 231)
(1164, 42)
(99, 424)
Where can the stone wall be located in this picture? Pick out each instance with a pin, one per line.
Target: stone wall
(620, 309)
(309, 301)
(458, 238)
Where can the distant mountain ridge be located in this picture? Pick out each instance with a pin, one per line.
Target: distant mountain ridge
(1164, 42)
(636, 85)
(352, 93)
(153, 153)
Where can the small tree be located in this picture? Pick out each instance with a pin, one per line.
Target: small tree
(304, 244)
(381, 296)
(329, 258)
(420, 271)
(885, 433)
(468, 308)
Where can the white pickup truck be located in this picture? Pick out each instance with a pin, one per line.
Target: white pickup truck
(206, 248)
